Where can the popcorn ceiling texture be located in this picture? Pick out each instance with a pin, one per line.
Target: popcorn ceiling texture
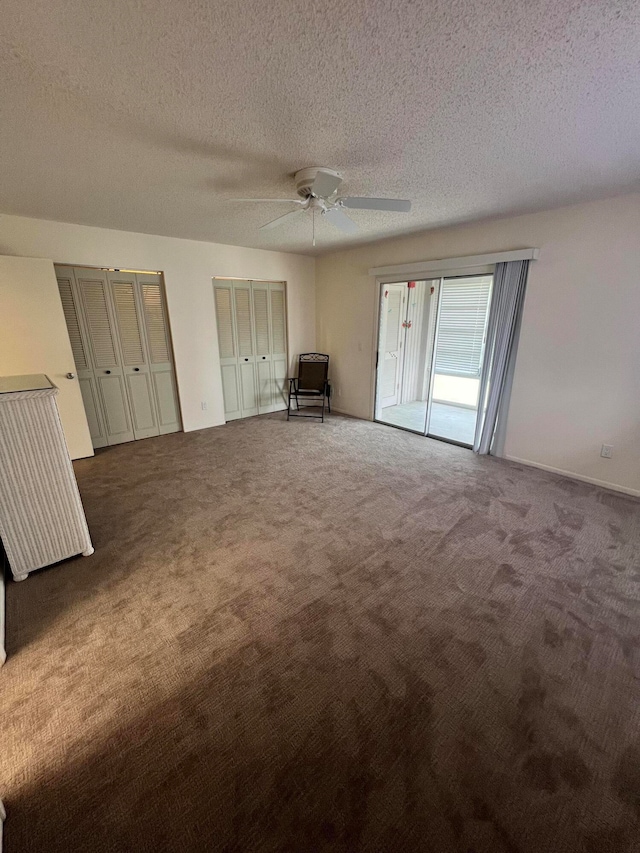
(149, 115)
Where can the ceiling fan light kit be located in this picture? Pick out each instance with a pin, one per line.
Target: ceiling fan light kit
(317, 187)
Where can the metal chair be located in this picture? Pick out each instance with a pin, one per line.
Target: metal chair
(311, 384)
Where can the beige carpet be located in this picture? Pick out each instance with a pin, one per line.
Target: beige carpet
(327, 637)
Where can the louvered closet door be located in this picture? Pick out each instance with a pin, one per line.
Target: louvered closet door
(246, 348)
(160, 357)
(137, 375)
(81, 355)
(93, 289)
(264, 372)
(279, 362)
(223, 296)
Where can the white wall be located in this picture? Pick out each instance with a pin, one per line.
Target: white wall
(577, 378)
(34, 339)
(188, 266)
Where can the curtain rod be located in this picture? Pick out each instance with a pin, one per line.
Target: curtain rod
(457, 263)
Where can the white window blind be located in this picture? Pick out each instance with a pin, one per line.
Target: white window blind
(461, 324)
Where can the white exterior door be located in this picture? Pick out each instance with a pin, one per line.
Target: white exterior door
(393, 310)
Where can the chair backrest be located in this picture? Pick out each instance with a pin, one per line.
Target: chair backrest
(313, 371)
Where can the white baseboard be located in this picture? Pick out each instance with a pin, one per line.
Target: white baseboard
(336, 411)
(573, 476)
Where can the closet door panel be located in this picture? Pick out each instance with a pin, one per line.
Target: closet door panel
(278, 319)
(244, 320)
(279, 367)
(79, 339)
(165, 395)
(278, 325)
(252, 343)
(260, 295)
(70, 307)
(143, 413)
(134, 356)
(244, 325)
(265, 385)
(92, 287)
(262, 335)
(114, 396)
(93, 410)
(231, 392)
(248, 395)
(158, 341)
(223, 299)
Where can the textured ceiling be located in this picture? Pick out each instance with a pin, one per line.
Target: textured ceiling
(148, 115)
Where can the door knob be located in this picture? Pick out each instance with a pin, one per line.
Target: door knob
(246, 359)
(71, 376)
(136, 369)
(107, 371)
(263, 357)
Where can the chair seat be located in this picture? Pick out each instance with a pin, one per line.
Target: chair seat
(309, 392)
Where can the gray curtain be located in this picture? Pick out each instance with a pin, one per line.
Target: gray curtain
(507, 300)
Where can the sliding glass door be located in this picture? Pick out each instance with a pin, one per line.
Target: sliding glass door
(430, 351)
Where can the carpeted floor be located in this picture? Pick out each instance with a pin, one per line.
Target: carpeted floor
(327, 637)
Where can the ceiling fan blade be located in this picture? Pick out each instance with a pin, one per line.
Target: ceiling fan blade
(280, 220)
(324, 185)
(276, 200)
(399, 205)
(340, 220)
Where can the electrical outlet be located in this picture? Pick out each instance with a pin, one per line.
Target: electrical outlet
(204, 405)
(607, 451)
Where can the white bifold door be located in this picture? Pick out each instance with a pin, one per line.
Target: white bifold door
(119, 334)
(251, 322)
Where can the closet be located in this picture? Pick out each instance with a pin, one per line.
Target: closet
(119, 333)
(252, 338)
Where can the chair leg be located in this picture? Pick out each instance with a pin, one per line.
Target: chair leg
(329, 401)
(289, 406)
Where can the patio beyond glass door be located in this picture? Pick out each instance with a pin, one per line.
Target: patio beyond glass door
(430, 353)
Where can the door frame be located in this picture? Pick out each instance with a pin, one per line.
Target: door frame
(416, 275)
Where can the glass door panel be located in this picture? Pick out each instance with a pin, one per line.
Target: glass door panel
(405, 347)
(457, 361)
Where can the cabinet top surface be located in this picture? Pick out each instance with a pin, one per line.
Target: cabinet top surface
(31, 382)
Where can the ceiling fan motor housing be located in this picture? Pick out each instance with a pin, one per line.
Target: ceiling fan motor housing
(305, 177)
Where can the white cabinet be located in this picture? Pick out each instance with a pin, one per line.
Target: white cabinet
(251, 322)
(119, 334)
(41, 516)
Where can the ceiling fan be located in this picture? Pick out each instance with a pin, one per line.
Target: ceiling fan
(317, 188)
